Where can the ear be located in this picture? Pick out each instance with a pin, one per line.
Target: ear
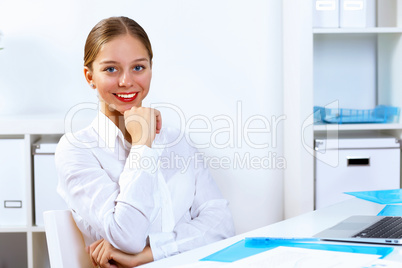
(88, 75)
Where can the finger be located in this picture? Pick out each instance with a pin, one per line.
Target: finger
(94, 256)
(104, 257)
(103, 260)
(94, 252)
(90, 250)
(100, 257)
(158, 116)
(130, 110)
(94, 264)
(95, 244)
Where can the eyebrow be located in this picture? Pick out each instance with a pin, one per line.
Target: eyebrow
(114, 62)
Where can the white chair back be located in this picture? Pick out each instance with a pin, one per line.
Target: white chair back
(64, 240)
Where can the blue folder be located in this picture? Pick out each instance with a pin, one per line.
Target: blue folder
(381, 197)
(242, 249)
(391, 210)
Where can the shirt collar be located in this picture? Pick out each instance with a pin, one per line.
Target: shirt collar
(107, 131)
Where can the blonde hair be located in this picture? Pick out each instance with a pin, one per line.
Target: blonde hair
(110, 28)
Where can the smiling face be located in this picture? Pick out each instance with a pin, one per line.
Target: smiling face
(121, 72)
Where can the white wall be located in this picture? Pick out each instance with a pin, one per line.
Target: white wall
(212, 58)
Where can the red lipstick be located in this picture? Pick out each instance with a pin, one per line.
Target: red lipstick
(126, 97)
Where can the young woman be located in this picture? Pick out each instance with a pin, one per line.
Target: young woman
(130, 208)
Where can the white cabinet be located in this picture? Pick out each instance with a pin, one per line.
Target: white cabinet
(355, 163)
(17, 228)
(358, 68)
(348, 67)
(26, 191)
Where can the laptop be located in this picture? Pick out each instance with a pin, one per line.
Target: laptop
(366, 229)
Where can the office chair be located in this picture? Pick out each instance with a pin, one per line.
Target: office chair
(64, 240)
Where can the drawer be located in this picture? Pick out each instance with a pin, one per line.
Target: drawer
(357, 170)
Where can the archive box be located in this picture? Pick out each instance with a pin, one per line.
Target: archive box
(364, 163)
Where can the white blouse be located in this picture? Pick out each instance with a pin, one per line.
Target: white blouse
(163, 196)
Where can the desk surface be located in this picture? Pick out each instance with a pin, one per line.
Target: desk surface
(306, 226)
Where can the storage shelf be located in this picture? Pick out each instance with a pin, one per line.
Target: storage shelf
(21, 229)
(13, 229)
(38, 229)
(374, 30)
(40, 124)
(352, 127)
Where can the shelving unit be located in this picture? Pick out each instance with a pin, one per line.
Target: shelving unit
(383, 47)
(357, 127)
(25, 245)
(359, 68)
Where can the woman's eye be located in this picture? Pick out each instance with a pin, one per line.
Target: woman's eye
(138, 68)
(110, 69)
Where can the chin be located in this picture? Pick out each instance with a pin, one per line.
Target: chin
(124, 109)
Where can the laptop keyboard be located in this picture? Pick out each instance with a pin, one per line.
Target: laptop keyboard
(388, 227)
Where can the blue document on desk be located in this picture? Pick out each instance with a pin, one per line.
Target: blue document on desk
(391, 210)
(243, 249)
(381, 197)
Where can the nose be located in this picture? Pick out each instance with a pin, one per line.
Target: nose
(125, 80)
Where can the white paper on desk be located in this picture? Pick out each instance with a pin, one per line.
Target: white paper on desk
(203, 264)
(288, 257)
(383, 264)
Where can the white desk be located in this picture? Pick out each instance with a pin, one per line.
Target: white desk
(305, 225)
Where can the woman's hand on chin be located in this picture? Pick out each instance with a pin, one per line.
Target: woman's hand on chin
(142, 123)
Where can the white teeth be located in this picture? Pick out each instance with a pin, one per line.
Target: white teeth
(126, 96)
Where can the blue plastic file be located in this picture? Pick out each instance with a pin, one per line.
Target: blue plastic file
(381, 197)
(264, 241)
(242, 249)
(391, 210)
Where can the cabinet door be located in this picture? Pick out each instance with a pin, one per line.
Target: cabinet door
(358, 170)
(13, 205)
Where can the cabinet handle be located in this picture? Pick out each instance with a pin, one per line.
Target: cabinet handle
(12, 204)
(353, 5)
(325, 5)
(358, 161)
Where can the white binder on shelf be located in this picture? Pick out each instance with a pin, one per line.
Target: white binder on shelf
(326, 13)
(13, 205)
(357, 13)
(45, 179)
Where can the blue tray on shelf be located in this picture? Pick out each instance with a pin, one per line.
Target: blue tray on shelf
(380, 114)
